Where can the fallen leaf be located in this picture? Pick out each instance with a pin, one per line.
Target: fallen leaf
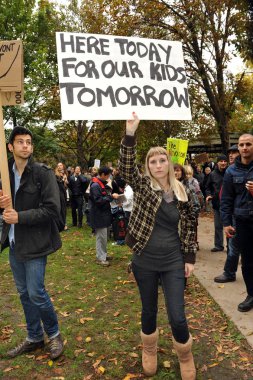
(166, 364)
(77, 352)
(83, 320)
(8, 369)
(133, 355)
(41, 357)
(213, 365)
(101, 369)
(130, 376)
(96, 364)
(88, 339)
(114, 360)
(64, 313)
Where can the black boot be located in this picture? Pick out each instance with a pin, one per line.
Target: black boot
(246, 305)
(25, 347)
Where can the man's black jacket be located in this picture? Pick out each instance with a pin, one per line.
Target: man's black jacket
(38, 207)
(213, 186)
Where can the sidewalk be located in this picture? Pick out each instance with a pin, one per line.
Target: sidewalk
(228, 295)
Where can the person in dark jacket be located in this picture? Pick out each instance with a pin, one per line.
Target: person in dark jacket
(213, 187)
(31, 232)
(100, 212)
(62, 182)
(237, 202)
(78, 185)
(233, 250)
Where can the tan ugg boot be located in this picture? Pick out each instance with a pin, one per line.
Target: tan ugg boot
(149, 353)
(187, 366)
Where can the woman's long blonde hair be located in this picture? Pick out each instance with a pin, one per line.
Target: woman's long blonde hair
(176, 186)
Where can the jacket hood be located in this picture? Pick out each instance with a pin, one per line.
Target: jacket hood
(239, 164)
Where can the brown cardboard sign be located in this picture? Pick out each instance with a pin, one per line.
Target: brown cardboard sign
(11, 66)
(201, 158)
(14, 98)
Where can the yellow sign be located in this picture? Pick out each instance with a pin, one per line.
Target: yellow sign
(177, 149)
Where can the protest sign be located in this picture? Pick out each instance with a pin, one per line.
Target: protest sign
(177, 149)
(105, 77)
(201, 158)
(11, 93)
(97, 163)
(11, 64)
(12, 98)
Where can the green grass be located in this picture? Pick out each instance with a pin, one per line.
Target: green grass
(82, 290)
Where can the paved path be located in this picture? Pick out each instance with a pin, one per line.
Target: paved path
(228, 295)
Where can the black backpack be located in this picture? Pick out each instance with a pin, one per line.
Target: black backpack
(36, 178)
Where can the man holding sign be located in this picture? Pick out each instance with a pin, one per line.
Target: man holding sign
(31, 232)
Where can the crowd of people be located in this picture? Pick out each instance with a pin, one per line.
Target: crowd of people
(154, 211)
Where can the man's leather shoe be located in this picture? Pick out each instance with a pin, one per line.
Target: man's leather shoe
(215, 249)
(246, 305)
(24, 347)
(224, 278)
(56, 347)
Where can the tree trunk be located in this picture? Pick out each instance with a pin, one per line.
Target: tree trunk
(80, 145)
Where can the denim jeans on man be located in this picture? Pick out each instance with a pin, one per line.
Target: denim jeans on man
(29, 278)
(233, 254)
(173, 288)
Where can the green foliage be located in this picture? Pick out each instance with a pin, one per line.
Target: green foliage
(212, 32)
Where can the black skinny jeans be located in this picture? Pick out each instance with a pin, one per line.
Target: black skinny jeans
(244, 233)
(77, 204)
(173, 283)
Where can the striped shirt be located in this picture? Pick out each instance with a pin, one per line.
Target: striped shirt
(146, 204)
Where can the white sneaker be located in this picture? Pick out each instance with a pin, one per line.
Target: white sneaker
(104, 263)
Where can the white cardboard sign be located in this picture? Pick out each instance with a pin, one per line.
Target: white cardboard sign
(103, 77)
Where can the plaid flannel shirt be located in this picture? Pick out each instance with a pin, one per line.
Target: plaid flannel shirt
(147, 202)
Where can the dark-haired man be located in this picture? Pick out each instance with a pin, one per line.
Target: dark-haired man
(78, 184)
(237, 202)
(233, 252)
(31, 232)
(213, 187)
(100, 212)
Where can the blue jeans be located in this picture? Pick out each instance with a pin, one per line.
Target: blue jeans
(233, 253)
(29, 279)
(173, 283)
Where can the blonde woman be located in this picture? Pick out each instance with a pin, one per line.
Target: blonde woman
(159, 253)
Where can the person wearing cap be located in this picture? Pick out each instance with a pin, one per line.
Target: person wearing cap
(237, 202)
(233, 252)
(213, 187)
(233, 152)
